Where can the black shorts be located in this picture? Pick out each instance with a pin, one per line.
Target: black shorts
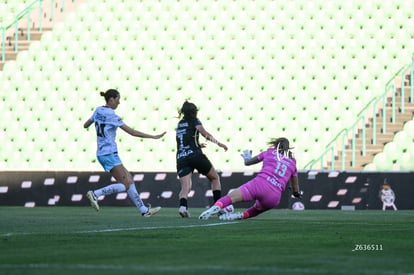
(199, 162)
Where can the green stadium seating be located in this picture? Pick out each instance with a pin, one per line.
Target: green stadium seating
(256, 69)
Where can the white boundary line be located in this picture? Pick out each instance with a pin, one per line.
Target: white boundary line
(153, 227)
(123, 229)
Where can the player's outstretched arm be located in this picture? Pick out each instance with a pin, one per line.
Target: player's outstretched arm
(252, 161)
(87, 123)
(210, 137)
(140, 134)
(248, 159)
(294, 182)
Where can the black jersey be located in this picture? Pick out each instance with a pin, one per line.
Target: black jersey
(187, 138)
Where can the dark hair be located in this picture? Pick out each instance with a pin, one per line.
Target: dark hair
(283, 146)
(189, 110)
(111, 93)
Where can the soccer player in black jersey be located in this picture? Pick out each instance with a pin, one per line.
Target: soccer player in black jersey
(190, 155)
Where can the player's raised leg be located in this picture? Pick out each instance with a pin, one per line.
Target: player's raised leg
(93, 199)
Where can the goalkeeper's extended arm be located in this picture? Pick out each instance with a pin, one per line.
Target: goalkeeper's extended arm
(248, 159)
(295, 187)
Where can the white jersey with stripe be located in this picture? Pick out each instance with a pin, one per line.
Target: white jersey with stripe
(106, 123)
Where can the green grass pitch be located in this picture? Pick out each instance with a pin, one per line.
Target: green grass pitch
(117, 240)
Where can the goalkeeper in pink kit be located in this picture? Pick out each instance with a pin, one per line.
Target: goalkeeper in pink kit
(279, 168)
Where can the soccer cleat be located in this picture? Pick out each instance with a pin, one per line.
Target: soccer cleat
(93, 199)
(151, 211)
(183, 211)
(227, 209)
(208, 213)
(231, 216)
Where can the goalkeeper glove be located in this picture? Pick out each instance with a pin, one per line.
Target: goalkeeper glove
(297, 195)
(247, 155)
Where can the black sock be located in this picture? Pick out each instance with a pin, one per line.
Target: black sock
(183, 202)
(216, 195)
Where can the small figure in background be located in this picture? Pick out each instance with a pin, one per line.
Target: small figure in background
(387, 196)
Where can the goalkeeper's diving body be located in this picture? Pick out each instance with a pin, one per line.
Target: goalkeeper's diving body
(278, 168)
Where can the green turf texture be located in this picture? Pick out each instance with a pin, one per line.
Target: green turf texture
(117, 240)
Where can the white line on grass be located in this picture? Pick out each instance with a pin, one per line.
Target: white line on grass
(124, 229)
(153, 227)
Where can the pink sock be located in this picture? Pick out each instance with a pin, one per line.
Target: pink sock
(251, 212)
(223, 202)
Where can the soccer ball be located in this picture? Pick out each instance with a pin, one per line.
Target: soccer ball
(298, 206)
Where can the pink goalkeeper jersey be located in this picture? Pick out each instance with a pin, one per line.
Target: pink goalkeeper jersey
(276, 169)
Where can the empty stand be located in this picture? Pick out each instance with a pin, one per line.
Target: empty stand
(256, 69)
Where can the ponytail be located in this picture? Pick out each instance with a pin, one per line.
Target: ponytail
(188, 110)
(111, 93)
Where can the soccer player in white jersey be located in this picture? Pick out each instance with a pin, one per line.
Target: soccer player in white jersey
(106, 123)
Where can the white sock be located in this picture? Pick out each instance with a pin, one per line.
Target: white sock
(136, 199)
(110, 189)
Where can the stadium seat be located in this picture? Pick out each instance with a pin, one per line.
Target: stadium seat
(391, 150)
(279, 58)
(383, 162)
(405, 161)
(370, 167)
(403, 140)
(409, 127)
